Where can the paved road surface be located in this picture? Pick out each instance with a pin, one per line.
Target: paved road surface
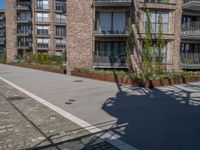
(165, 118)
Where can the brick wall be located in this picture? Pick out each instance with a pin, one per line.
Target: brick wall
(79, 34)
(10, 26)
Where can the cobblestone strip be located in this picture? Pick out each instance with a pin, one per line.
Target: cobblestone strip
(30, 125)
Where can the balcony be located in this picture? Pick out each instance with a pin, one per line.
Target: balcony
(21, 5)
(42, 45)
(60, 6)
(112, 3)
(60, 46)
(109, 62)
(24, 45)
(191, 30)
(159, 1)
(190, 61)
(193, 5)
(42, 32)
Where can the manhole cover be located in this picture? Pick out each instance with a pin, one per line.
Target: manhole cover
(78, 80)
(13, 98)
(68, 103)
(72, 100)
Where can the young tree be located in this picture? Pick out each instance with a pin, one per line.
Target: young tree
(160, 46)
(147, 67)
(129, 46)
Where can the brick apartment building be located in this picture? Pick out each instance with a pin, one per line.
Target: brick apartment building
(97, 30)
(190, 36)
(94, 32)
(2, 32)
(35, 26)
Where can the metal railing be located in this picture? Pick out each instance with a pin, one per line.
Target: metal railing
(42, 32)
(109, 61)
(155, 28)
(190, 1)
(191, 27)
(60, 46)
(43, 45)
(158, 1)
(23, 4)
(190, 58)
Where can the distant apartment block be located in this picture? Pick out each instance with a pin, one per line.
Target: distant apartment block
(35, 26)
(2, 31)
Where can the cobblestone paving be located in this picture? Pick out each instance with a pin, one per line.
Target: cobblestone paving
(27, 124)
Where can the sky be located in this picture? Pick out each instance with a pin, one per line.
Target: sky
(2, 4)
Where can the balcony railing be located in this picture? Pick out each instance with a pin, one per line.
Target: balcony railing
(155, 28)
(112, 2)
(190, 1)
(24, 44)
(190, 58)
(61, 46)
(158, 1)
(42, 32)
(109, 61)
(191, 5)
(23, 5)
(191, 27)
(42, 45)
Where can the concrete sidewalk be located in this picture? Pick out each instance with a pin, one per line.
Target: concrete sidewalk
(163, 118)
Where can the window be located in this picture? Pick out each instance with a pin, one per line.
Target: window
(60, 18)
(60, 5)
(111, 22)
(24, 28)
(24, 41)
(42, 30)
(110, 49)
(42, 17)
(42, 4)
(24, 16)
(61, 30)
(154, 21)
(188, 47)
(60, 43)
(155, 51)
(43, 42)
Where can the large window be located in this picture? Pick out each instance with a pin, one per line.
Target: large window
(60, 18)
(24, 16)
(42, 17)
(61, 30)
(42, 4)
(24, 41)
(111, 22)
(42, 30)
(154, 20)
(43, 42)
(24, 28)
(60, 43)
(60, 5)
(110, 49)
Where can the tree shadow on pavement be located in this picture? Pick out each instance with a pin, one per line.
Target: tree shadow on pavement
(157, 119)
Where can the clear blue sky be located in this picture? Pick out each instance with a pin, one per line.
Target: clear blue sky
(2, 4)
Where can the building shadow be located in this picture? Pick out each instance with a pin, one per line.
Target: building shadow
(157, 119)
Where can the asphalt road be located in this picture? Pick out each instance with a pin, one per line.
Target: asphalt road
(158, 119)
